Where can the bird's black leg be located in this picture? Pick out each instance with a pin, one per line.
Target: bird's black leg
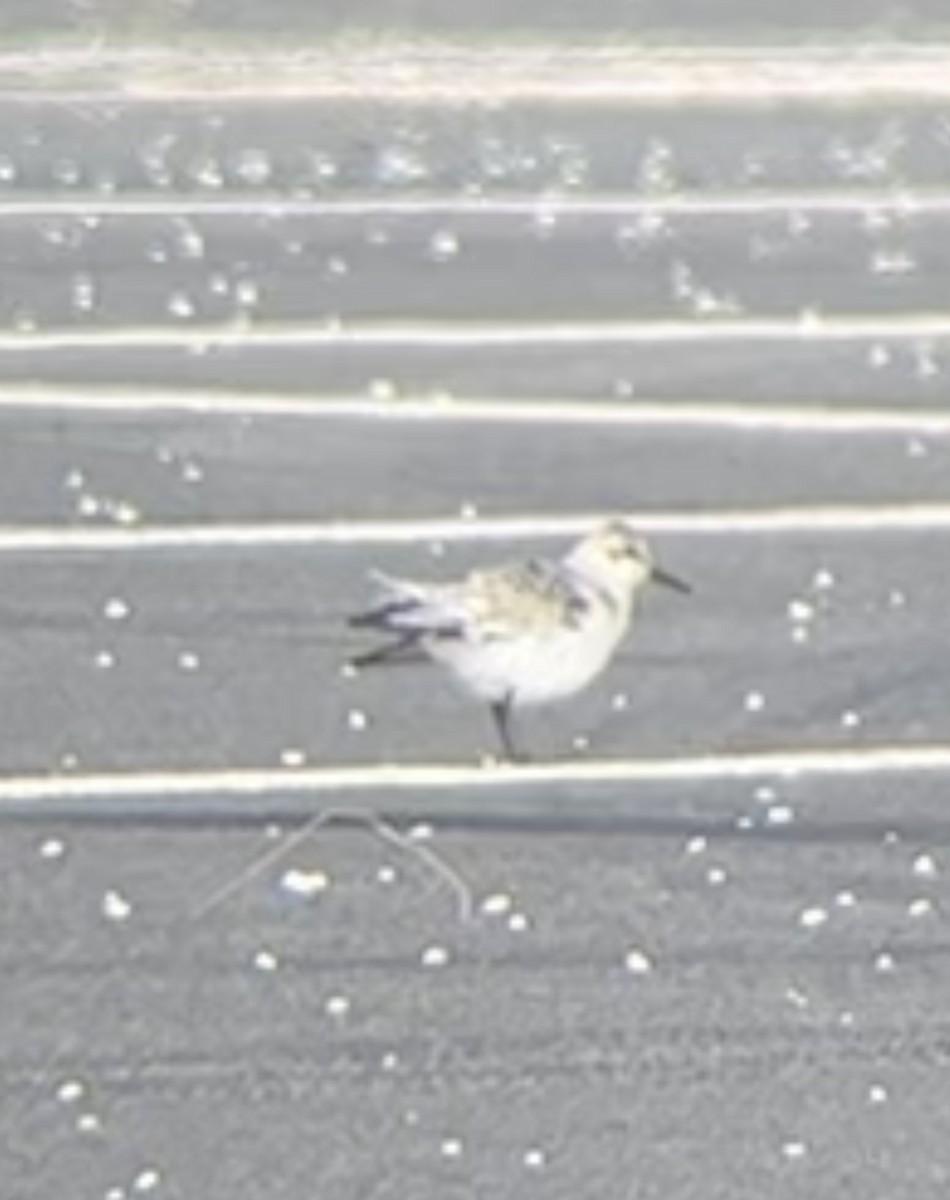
(501, 715)
(387, 653)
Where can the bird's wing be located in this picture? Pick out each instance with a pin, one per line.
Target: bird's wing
(525, 597)
(501, 602)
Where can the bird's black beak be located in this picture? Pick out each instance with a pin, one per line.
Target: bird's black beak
(670, 581)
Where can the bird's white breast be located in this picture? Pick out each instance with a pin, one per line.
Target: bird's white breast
(539, 666)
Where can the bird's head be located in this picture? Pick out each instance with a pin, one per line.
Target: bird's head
(618, 558)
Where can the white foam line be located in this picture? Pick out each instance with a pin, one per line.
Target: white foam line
(907, 201)
(810, 327)
(493, 410)
(871, 760)
(829, 520)
(458, 73)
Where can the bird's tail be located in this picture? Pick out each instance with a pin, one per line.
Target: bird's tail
(406, 607)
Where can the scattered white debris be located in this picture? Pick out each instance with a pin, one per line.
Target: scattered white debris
(697, 845)
(754, 702)
(891, 262)
(925, 361)
(925, 866)
(877, 1093)
(246, 294)
(797, 998)
(337, 1006)
(115, 907)
(84, 293)
(922, 906)
(637, 962)
(357, 720)
(801, 611)
(324, 166)
(846, 899)
(207, 172)
(304, 883)
(544, 219)
(716, 876)
(534, 1159)
(443, 246)
(89, 1122)
(812, 918)
(435, 956)
(116, 609)
(620, 702)
(126, 513)
(518, 922)
(52, 849)
(191, 244)
(885, 962)
(879, 356)
(292, 757)
(147, 1180)
(422, 831)
(266, 960)
(188, 660)
(252, 165)
(451, 1147)
(105, 660)
(780, 814)
(850, 719)
(794, 1150)
(181, 305)
(387, 874)
(823, 580)
(497, 904)
(70, 1091)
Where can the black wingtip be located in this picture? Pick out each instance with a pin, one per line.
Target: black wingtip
(364, 620)
(382, 616)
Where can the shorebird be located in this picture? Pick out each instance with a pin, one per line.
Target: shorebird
(522, 633)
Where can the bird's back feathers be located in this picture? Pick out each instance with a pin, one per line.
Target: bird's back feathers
(515, 598)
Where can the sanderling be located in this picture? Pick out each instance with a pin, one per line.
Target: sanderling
(524, 633)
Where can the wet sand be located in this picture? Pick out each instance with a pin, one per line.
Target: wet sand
(250, 351)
